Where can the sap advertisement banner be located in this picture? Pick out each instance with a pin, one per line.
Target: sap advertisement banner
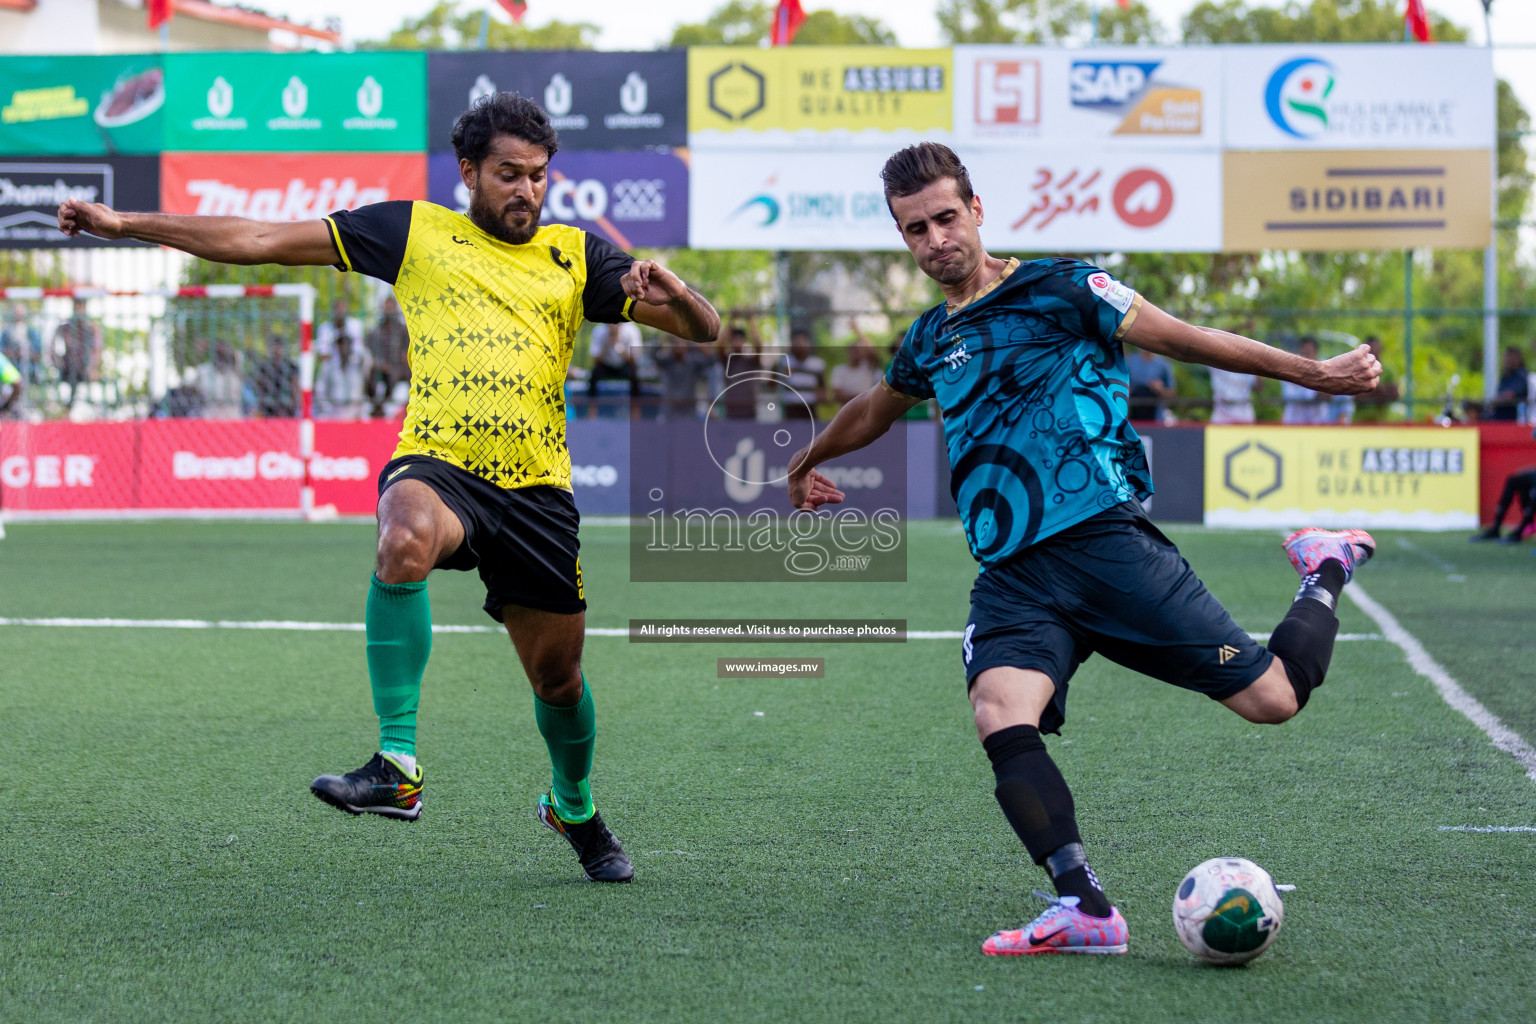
(631, 199)
(1359, 97)
(1410, 478)
(1142, 97)
(747, 96)
(261, 102)
(1364, 199)
(610, 100)
(287, 186)
(1098, 199)
(81, 105)
(31, 191)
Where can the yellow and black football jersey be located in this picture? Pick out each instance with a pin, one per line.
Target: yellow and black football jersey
(492, 327)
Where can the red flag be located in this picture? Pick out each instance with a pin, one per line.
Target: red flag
(160, 12)
(516, 8)
(786, 22)
(1418, 20)
(1125, 5)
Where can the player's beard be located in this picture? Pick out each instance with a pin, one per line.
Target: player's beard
(483, 211)
(953, 270)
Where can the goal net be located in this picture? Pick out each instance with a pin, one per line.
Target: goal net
(184, 401)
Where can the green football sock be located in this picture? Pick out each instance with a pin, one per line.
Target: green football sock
(570, 733)
(399, 624)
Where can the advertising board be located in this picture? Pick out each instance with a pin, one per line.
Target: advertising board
(287, 186)
(81, 106)
(32, 189)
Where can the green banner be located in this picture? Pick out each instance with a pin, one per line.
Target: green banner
(304, 102)
(80, 106)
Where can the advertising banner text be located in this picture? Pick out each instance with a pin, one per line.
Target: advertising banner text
(287, 186)
(81, 106)
(32, 189)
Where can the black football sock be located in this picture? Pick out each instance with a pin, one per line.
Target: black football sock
(1304, 639)
(1035, 800)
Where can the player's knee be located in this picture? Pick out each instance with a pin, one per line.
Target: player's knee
(406, 553)
(556, 680)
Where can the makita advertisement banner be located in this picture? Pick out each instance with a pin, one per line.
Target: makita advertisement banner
(295, 102)
(287, 186)
(81, 105)
(595, 100)
(631, 199)
(31, 191)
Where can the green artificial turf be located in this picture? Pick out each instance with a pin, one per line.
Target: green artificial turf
(805, 850)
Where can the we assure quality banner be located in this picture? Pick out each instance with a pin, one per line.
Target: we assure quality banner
(1423, 478)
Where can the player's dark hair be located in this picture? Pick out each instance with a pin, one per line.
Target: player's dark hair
(913, 169)
(502, 113)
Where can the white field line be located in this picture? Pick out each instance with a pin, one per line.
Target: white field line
(1486, 828)
(285, 625)
(1503, 737)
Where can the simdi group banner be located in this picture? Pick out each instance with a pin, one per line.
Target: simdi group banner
(1412, 478)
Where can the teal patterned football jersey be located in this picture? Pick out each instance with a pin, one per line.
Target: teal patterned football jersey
(1031, 378)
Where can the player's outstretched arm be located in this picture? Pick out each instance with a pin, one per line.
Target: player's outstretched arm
(1353, 373)
(664, 302)
(220, 239)
(859, 423)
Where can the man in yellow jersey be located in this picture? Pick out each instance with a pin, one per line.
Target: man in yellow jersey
(482, 476)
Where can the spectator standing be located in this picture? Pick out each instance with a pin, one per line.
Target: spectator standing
(860, 373)
(22, 343)
(741, 378)
(1513, 387)
(1151, 385)
(1232, 396)
(806, 387)
(77, 345)
(1303, 406)
(683, 365)
(389, 344)
(1374, 405)
(220, 384)
(275, 382)
(341, 390)
(615, 348)
(339, 325)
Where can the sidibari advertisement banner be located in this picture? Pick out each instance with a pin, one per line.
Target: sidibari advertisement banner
(1383, 96)
(1140, 97)
(31, 191)
(746, 96)
(296, 102)
(1410, 478)
(81, 105)
(1364, 199)
(594, 100)
(632, 199)
(287, 186)
(1099, 199)
(789, 199)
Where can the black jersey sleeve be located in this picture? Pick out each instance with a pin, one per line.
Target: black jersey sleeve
(371, 239)
(603, 297)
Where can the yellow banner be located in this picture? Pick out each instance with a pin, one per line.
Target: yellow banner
(1413, 478)
(1360, 199)
(790, 88)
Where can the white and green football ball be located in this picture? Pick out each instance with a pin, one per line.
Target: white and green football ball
(1227, 911)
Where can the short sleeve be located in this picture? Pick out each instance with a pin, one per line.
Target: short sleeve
(603, 298)
(904, 376)
(8, 372)
(371, 239)
(1086, 300)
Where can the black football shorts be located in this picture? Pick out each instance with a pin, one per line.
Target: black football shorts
(1112, 584)
(523, 541)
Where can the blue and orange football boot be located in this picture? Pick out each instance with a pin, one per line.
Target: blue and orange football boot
(1311, 547)
(378, 787)
(1062, 929)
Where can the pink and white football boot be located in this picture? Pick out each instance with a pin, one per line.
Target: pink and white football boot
(1062, 929)
(1311, 547)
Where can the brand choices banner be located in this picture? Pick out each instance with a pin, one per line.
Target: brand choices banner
(32, 189)
(301, 102)
(595, 100)
(81, 105)
(631, 199)
(287, 186)
(1404, 478)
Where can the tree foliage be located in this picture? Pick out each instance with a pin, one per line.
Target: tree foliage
(747, 23)
(447, 27)
(1045, 21)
